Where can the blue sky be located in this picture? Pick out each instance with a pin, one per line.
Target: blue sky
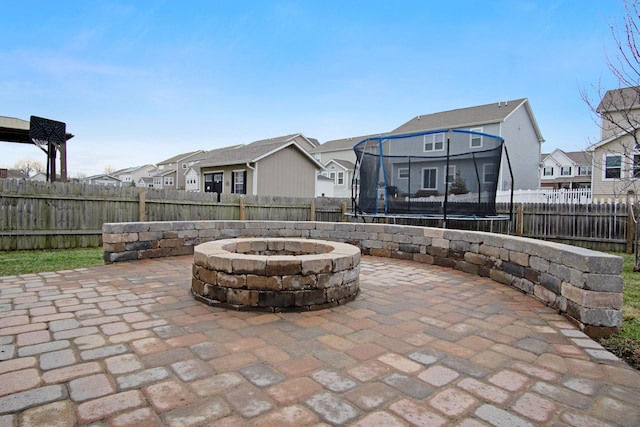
(140, 81)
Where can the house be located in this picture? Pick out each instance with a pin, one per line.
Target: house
(171, 172)
(616, 157)
(340, 172)
(165, 178)
(279, 166)
(131, 176)
(12, 174)
(512, 120)
(324, 186)
(145, 182)
(102, 179)
(339, 159)
(569, 170)
(192, 174)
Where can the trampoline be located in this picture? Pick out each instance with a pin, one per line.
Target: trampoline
(439, 174)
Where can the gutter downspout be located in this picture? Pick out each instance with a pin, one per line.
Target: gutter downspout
(254, 179)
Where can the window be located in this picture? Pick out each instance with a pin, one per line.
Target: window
(332, 175)
(476, 140)
(429, 178)
(403, 173)
(584, 170)
(157, 181)
(565, 170)
(239, 178)
(340, 178)
(613, 167)
(434, 142)
(488, 173)
(636, 165)
(451, 175)
(548, 171)
(168, 180)
(184, 166)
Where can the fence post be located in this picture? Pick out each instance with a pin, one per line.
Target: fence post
(631, 228)
(520, 219)
(343, 211)
(312, 208)
(242, 209)
(142, 197)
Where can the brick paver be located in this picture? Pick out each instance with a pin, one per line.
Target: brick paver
(127, 345)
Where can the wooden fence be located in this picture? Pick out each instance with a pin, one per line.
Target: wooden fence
(37, 215)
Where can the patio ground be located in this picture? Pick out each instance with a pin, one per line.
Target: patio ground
(126, 344)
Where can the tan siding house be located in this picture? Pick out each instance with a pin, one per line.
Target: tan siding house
(271, 167)
(616, 158)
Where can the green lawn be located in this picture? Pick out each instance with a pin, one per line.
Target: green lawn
(25, 262)
(631, 291)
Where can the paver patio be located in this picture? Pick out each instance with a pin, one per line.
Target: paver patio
(127, 344)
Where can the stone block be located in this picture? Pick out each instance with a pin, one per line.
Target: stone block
(215, 293)
(278, 265)
(221, 262)
(423, 258)
(351, 275)
(380, 252)
(298, 282)
(467, 267)
(337, 293)
(594, 316)
(591, 299)
(524, 285)
(119, 238)
(519, 258)
(513, 269)
(501, 276)
(550, 282)
(171, 243)
(544, 294)
(401, 255)
(123, 256)
(137, 246)
(602, 282)
(269, 283)
(310, 297)
(312, 264)
(276, 299)
(249, 264)
(459, 245)
(197, 286)
(242, 297)
(155, 253)
(473, 258)
(539, 264)
(113, 247)
(206, 275)
(235, 281)
(440, 243)
(330, 280)
(532, 275)
(409, 248)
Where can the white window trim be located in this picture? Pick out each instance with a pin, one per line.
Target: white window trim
(435, 181)
(233, 182)
(402, 170)
(544, 171)
(484, 172)
(433, 137)
(586, 168)
(340, 175)
(562, 171)
(472, 136)
(446, 174)
(604, 169)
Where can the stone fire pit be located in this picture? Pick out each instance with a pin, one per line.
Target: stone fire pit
(275, 274)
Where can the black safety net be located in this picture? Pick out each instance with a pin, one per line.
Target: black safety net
(439, 173)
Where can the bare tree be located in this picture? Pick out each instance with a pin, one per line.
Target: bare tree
(617, 111)
(28, 166)
(109, 169)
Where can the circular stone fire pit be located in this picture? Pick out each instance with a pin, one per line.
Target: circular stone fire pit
(275, 274)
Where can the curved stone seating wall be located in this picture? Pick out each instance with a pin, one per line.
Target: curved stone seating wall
(584, 285)
(275, 274)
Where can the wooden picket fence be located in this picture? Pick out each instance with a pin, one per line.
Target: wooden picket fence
(40, 215)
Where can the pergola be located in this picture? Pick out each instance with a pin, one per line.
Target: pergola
(21, 131)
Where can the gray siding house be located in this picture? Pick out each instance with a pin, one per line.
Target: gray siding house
(512, 120)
